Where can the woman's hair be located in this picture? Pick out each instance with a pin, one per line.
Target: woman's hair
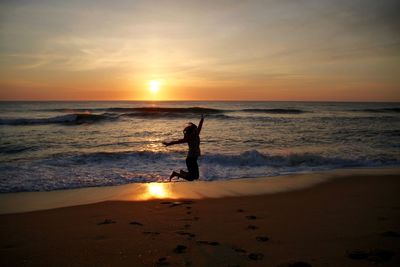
(190, 129)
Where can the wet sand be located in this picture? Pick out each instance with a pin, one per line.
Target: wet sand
(351, 221)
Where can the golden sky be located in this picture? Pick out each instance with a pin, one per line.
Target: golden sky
(200, 50)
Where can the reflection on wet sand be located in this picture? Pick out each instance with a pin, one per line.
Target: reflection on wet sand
(157, 190)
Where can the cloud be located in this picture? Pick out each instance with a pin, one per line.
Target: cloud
(214, 41)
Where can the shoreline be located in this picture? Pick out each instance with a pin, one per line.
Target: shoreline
(32, 201)
(353, 220)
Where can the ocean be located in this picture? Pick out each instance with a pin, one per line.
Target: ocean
(62, 145)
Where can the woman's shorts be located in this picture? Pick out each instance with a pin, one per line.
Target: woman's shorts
(193, 168)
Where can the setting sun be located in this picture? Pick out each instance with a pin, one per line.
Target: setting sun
(154, 86)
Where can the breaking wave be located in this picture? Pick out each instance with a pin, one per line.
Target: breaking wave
(77, 118)
(66, 171)
(191, 110)
(84, 116)
(255, 158)
(177, 110)
(275, 111)
(378, 110)
(252, 158)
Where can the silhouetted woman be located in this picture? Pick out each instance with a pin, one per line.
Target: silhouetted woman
(191, 136)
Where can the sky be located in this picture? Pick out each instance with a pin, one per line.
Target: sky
(285, 50)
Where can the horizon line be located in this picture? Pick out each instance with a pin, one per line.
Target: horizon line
(152, 100)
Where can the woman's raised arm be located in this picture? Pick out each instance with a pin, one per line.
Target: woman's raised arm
(200, 123)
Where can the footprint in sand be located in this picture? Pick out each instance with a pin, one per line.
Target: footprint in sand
(136, 223)
(162, 262)
(357, 254)
(251, 217)
(262, 238)
(252, 227)
(239, 250)
(177, 203)
(171, 204)
(255, 256)
(295, 264)
(179, 249)
(106, 221)
(186, 234)
(390, 234)
(373, 255)
(151, 233)
(211, 243)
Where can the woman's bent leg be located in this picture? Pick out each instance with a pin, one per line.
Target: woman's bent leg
(193, 168)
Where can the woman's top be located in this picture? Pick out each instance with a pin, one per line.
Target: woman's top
(194, 145)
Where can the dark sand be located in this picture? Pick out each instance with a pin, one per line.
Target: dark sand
(326, 225)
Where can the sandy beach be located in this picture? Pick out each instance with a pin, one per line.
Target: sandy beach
(350, 221)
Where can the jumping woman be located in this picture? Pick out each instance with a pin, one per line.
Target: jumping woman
(191, 136)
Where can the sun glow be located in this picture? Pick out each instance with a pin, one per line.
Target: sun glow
(154, 86)
(157, 190)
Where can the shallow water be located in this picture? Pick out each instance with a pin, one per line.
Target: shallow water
(60, 145)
